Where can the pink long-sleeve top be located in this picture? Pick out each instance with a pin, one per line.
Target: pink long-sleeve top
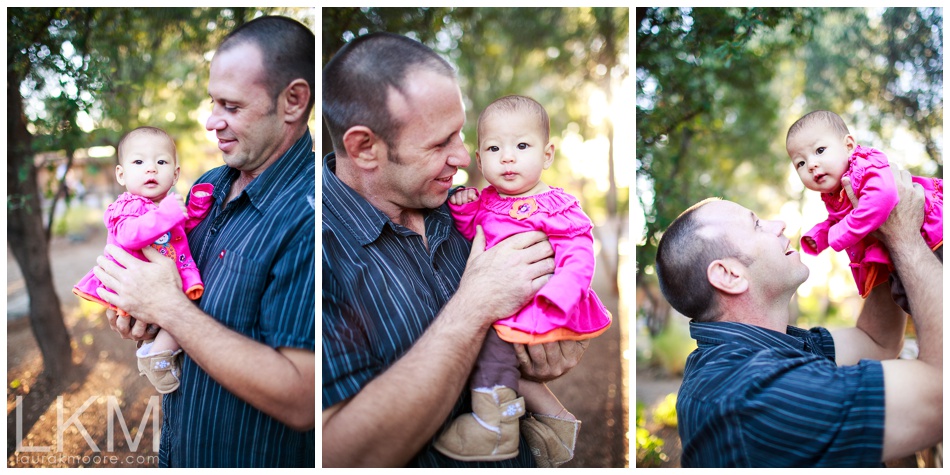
(566, 307)
(848, 228)
(135, 222)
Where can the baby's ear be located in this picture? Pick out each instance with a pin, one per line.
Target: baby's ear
(849, 142)
(548, 155)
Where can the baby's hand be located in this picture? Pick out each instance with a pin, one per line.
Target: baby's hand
(465, 195)
(179, 200)
(810, 242)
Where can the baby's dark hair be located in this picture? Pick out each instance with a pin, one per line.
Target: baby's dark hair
(516, 103)
(147, 130)
(827, 117)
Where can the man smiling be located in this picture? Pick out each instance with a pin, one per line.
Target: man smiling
(758, 392)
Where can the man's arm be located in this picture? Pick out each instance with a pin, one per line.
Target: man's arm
(913, 389)
(393, 416)
(282, 382)
(878, 333)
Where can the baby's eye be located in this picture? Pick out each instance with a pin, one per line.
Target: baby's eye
(137, 162)
(493, 148)
(522, 146)
(799, 164)
(163, 162)
(820, 150)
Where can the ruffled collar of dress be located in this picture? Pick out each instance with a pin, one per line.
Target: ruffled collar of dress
(552, 201)
(127, 196)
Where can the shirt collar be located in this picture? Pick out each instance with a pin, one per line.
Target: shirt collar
(291, 166)
(717, 333)
(364, 220)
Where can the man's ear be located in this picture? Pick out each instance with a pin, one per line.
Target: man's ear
(364, 147)
(727, 275)
(296, 97)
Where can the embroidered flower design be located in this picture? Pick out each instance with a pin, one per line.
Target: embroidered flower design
(522, 209)
(162, 364)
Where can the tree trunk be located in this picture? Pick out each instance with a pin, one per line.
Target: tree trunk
(27, 239)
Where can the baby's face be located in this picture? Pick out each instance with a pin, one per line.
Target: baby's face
(820, 156)
(147, 167)
(512, 153)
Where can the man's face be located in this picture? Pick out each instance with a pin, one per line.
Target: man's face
(775, 267)
(244, 117)
(429, 149)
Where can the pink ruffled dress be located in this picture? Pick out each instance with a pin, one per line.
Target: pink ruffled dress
(848, 228)
(566, 308)
(135, 222)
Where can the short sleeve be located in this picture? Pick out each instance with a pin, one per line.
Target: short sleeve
(810, 412)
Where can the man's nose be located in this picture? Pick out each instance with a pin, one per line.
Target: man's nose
(458, 156)
(214, 122)
(778, 227)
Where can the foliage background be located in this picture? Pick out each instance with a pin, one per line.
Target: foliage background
(717, 89)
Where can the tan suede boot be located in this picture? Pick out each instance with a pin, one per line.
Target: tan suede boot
(550, 439)
(487, 434)
(162, 370)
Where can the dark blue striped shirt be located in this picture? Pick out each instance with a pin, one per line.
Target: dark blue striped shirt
(256, 258)
(754, 397)
(381, 290)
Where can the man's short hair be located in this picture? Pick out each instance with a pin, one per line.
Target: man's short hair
(827, 117)
(358, 80)
(287, 48)
(682, 257)
(517, 104)
(144, 130)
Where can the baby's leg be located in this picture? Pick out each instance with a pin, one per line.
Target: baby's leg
(550, 430)
(158, 361)
(540, 400)
(164, 341)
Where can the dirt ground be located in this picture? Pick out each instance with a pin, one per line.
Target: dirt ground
(65, 421)
(104, 414)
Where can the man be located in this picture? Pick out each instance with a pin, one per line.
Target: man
(247, 385)
(757, 392)
(404, 312)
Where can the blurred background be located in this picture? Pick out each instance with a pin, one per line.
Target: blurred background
(717, 89)
(576, 63)
(77, 79)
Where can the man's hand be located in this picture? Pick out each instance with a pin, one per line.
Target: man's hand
(503, 279)
(907, 217)
(145, 289)
(549, 361)
(129, 328)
